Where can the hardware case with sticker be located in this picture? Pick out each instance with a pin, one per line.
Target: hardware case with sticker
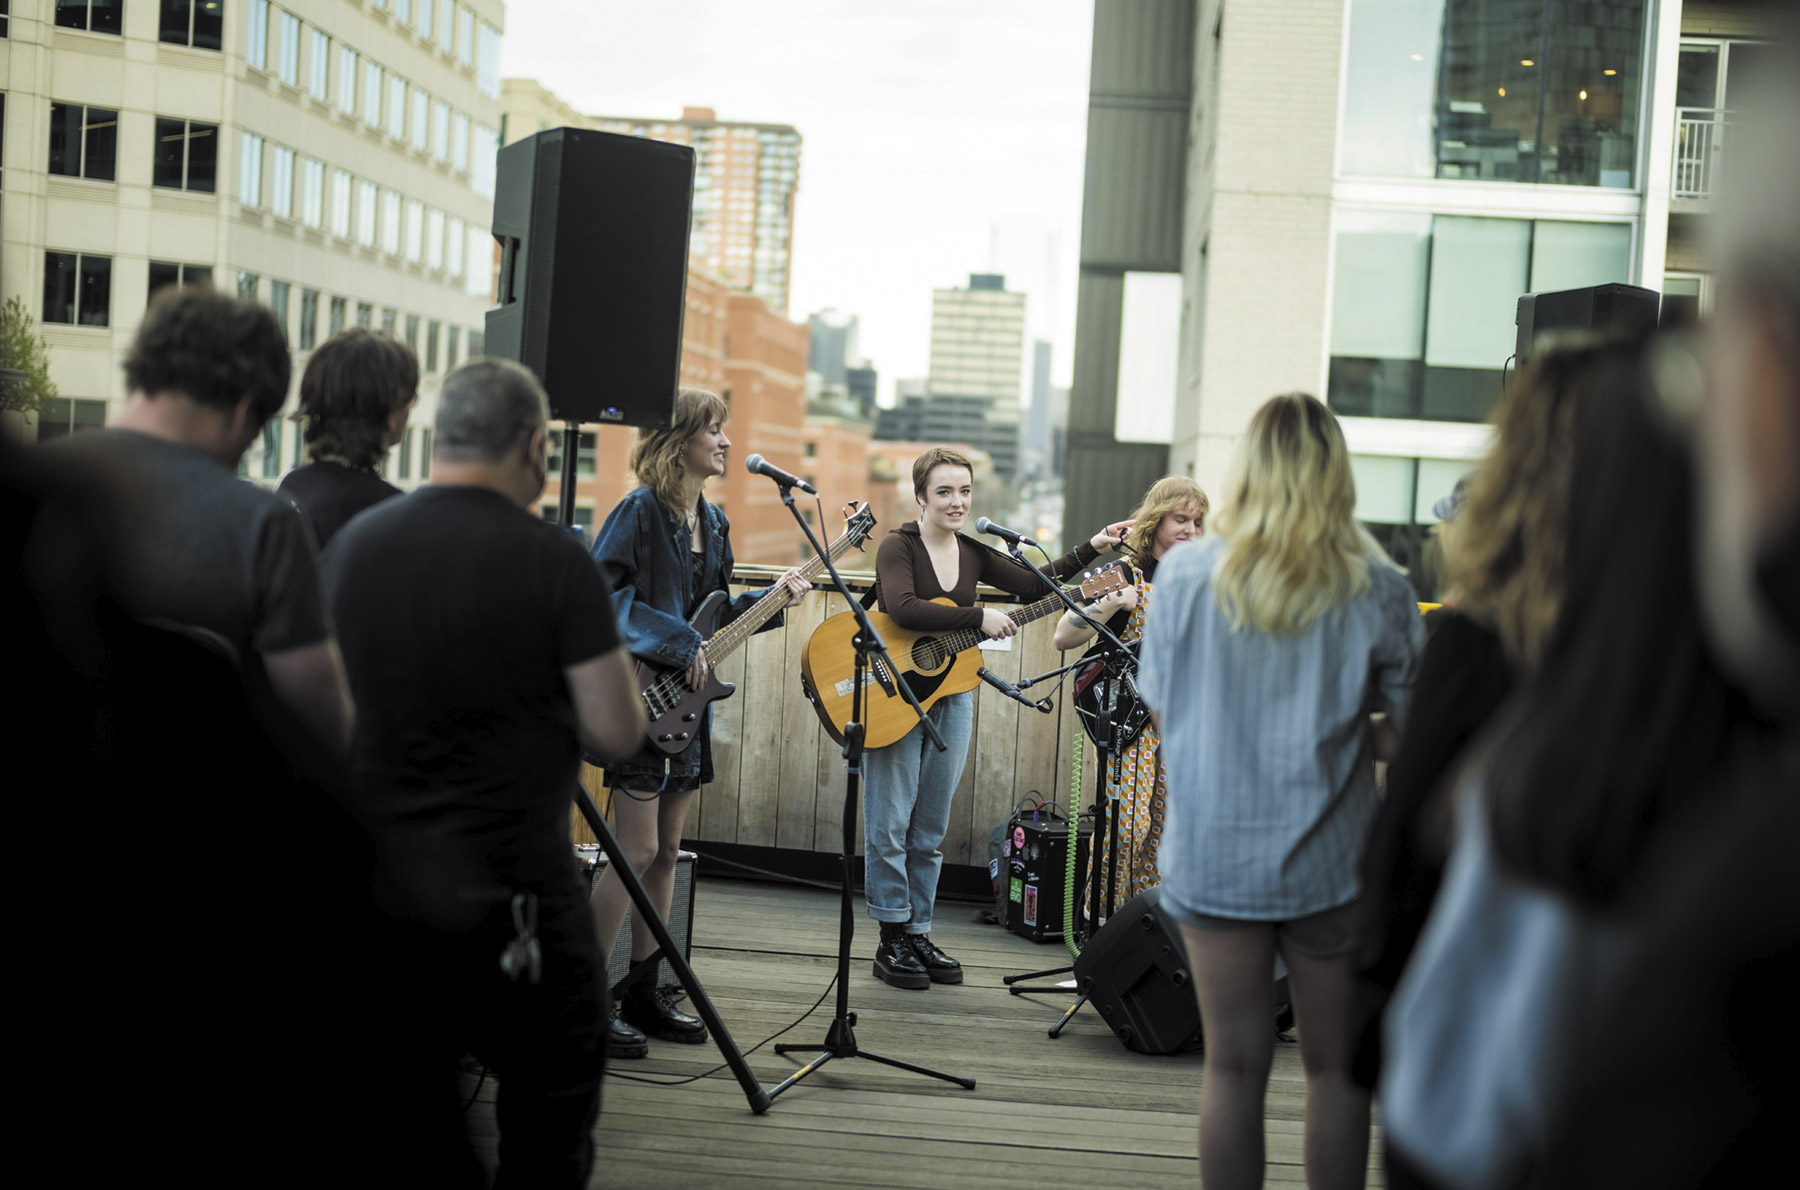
(1036, 858)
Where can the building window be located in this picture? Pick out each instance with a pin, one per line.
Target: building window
(454, 245)
(282, 201)
(289, 65)
(372, 95)
(459, 142)
(77, 289)
(1394, 499)
(477, 343)
(365, 314)
(396, 121)
(481, 177)
(425, 453)
(312, 192)
(390, 222)
(187, 155)
(84, 141)
(432, 331)
(198, 23)
(1423, 305)
(318, 66)
(421, 112)
(256, 35)
(487, 62)
(465, 37)
(403, 11)
(309, 319)
(389, 317)
(412, 332)
(278, 302)
(586, 455)
(347, 80)
(452, 340)
(335, 323)
(440, 130)
(271, 448)
(446, 22)
(340, 204)
(434, 239)
(406, 453)
(165, 273)
(96, 16)
(62, 416)
(415, 230)
(1494, 90)
(480, 280)
(250, 171)
(426, 9)
(247, 284)
(365, 214)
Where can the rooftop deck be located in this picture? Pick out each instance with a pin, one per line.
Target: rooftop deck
(1076, 1112)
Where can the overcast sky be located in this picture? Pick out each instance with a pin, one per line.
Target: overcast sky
(940, 137)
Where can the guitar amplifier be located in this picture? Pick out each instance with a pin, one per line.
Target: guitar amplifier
(1035, 855)
(681, 914)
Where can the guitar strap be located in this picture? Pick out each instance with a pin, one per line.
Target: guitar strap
(870, 597)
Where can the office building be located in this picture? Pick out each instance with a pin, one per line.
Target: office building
(333, 160)
(833, 347)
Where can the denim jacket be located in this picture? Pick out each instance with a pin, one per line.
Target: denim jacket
(643, 548)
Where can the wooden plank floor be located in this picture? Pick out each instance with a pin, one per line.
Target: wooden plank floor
(1077, 1112)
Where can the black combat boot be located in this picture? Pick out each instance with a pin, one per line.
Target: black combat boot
(895, 962)
(653, 1010)
(938, 965)
(622, 1041)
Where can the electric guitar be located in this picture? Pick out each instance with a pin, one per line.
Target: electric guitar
(675, 710)
(933, 665)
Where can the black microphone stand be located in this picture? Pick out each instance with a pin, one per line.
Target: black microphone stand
(840, 1037)
(1106, 818)
(634, 888)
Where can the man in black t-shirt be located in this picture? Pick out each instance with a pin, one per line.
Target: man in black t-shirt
(484, 656)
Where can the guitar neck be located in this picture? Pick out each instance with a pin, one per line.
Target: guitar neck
(765, 609)
(968, 638)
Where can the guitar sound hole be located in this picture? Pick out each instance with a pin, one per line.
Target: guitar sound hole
(925, 657)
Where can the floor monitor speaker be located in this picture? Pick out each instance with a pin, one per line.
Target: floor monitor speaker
(1618, 309)
(593, 235)
(1135, 973)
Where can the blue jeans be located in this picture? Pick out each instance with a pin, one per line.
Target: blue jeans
(906, 810)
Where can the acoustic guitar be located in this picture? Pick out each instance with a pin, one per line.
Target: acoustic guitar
(674, 709)
(933, 664)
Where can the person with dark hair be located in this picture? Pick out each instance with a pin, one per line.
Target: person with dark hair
(665, 549)
(483, 652)
(926, 572)
(355, 395)
(197, 546)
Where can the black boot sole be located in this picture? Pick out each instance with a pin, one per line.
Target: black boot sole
(625, 1051)
(902, 979)
(944, 976)
(650, 1028)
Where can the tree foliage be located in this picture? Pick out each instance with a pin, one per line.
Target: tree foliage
(23, 350)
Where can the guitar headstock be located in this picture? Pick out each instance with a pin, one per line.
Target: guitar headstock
(1102, 581)
(859, 523)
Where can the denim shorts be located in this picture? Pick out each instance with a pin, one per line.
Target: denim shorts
(1328, 934)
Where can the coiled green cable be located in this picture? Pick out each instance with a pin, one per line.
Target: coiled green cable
(1074, 837)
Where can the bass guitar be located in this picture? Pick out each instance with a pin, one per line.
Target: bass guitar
(933, 664)
(674, 709)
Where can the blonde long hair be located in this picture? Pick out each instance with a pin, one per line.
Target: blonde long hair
(1294, 550)
(1165, 496)
(656, 455)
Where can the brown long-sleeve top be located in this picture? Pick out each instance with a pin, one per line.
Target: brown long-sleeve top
(908, 582)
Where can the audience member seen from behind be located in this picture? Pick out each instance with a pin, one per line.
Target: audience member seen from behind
(1505, 553)
(1690, 1082)
(1269, 645)
(482, 647)
(1172, 511)
(198, 547)
(1624, 722)
(355, 395)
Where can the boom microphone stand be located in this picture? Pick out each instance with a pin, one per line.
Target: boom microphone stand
(840, 1038)
(634, 888)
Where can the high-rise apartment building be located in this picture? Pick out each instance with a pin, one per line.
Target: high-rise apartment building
(978, 341)
(333, 159)
(833, 345)
(745, 180)
(1364, 229)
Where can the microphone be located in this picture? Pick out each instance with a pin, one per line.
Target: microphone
(983, 525)
(757, 465)
(1011, 691)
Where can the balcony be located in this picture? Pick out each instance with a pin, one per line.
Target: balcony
(1700, 134)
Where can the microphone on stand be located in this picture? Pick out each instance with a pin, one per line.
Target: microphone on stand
(1011, 691)
(983, 525)
(757, 465)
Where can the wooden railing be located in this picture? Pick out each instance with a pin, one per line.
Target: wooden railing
(779, 778)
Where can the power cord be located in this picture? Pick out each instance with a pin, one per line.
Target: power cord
(677, 1082)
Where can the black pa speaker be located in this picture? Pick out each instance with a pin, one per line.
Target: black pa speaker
(593, 234)
(1620, 309)
(1135, 973)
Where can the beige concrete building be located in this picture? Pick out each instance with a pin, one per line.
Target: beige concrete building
(331, 158)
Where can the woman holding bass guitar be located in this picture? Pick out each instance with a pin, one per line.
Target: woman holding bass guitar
(909, 784)
(664, 549)
(1173, 511)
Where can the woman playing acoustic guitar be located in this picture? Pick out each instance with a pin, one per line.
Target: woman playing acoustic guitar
(909, 784)
(664, 549)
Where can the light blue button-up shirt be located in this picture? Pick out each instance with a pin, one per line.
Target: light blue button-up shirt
(1266, 742)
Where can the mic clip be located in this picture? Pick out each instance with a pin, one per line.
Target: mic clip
(1011, 691)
